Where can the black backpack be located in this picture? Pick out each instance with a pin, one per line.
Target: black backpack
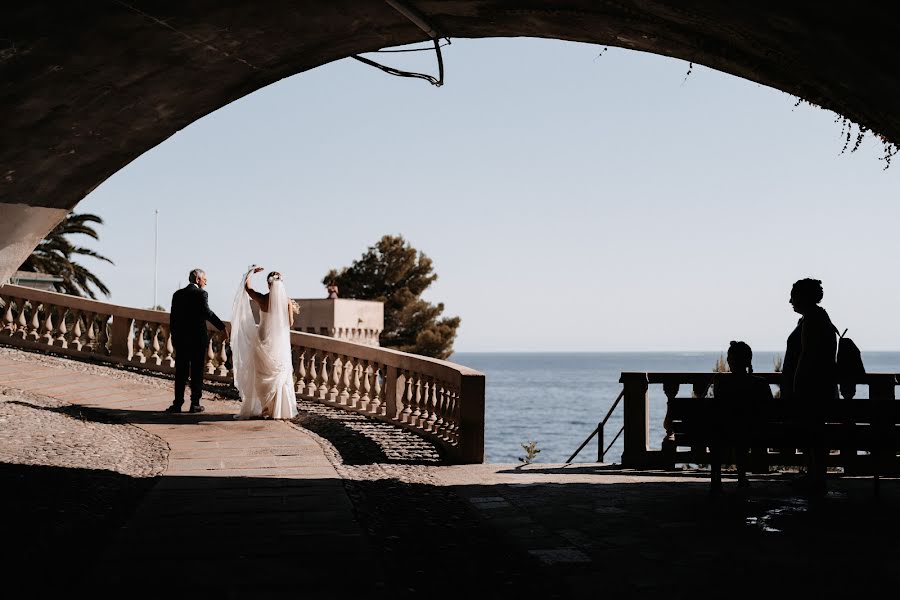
(849, 360)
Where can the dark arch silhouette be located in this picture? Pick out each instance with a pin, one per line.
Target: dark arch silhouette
(87, 88)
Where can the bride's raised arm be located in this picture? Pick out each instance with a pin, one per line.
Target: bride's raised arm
(261, 299)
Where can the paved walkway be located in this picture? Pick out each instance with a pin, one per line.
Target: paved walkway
(243, 506)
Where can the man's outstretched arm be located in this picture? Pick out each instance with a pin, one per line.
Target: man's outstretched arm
(210, 315)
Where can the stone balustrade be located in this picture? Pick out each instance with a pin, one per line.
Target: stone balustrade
(439, 400)
(637, 452)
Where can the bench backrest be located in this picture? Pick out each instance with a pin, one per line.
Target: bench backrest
(852, 427)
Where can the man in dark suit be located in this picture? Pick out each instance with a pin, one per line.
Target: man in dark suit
(187, 322)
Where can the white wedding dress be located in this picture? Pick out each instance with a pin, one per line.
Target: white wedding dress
(263, 369)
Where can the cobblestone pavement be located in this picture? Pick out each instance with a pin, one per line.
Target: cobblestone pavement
(40, 430)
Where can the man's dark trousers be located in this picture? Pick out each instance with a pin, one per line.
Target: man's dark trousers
(189, 359)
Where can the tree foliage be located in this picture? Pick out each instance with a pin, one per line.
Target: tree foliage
(55, 255)
(395, 273)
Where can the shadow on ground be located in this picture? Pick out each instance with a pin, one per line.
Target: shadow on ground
(360, 440)
(249, 537)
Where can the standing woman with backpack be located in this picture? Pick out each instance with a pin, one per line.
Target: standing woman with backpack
(809, 370)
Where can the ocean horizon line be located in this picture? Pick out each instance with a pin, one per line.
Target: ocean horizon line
(764, 350)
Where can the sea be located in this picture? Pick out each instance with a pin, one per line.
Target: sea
(556, 399)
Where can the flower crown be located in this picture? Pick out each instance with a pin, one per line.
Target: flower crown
(272, 278)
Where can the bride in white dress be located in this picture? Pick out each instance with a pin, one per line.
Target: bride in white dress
(263, 369)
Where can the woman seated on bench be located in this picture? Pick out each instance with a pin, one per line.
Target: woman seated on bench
(740, 396)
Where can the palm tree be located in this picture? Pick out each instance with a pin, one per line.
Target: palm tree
(54, 256)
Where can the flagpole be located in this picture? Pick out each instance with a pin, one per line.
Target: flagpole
(155, 254)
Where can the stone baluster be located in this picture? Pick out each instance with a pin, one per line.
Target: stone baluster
(406, 413)
(356, 386)
(169, 357)
(9, 323)
(75, 340)
(35, 326)
(391, 392)
(438, 425)
(130, 338)
(300, 371)
(222, 371)
(47, 325)
(365, 387)
(376, 405)
(89, 338)
(416, 400)
(21, 325)
(210, 366)
(322, 391)
(452, 412)
(313, 375)
(139, 344)
(103, 335)
(337, 371)
(155, 357)
(61, 339)
(425, 418)
(347, 367)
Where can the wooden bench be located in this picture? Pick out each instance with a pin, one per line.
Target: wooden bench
(860, 435)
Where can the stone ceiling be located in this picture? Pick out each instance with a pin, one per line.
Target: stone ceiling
(87, 87)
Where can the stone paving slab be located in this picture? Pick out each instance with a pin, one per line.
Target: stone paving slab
(642, 533)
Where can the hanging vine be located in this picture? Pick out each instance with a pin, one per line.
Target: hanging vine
(688, 74)
(889, 148)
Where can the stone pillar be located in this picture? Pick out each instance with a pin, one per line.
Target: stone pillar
(471, 419)
(882, 392)
(120, 330)
(390, 391)
(637, 426)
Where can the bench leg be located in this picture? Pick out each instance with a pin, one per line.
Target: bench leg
(715, 470)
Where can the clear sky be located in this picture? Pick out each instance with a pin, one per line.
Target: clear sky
(570, 200)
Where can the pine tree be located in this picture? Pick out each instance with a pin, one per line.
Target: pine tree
(395, 273)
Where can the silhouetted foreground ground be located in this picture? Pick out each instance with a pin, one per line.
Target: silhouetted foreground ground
(367, 514)
(629, 539)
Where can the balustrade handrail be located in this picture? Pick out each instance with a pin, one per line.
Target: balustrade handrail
(78, 302)
(402, 360)
(771, 377)
(436, 399)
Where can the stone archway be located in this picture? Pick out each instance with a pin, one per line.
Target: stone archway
(84, 90)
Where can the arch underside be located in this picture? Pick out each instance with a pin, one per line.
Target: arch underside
(87, 88)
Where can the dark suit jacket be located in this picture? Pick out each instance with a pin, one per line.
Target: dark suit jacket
(190, 312)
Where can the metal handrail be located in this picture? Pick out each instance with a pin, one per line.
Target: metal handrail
(598, 431)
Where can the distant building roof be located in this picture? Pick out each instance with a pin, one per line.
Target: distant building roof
(31, 276)
(40, 281)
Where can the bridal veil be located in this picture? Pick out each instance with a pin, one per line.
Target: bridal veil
(263, 369)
